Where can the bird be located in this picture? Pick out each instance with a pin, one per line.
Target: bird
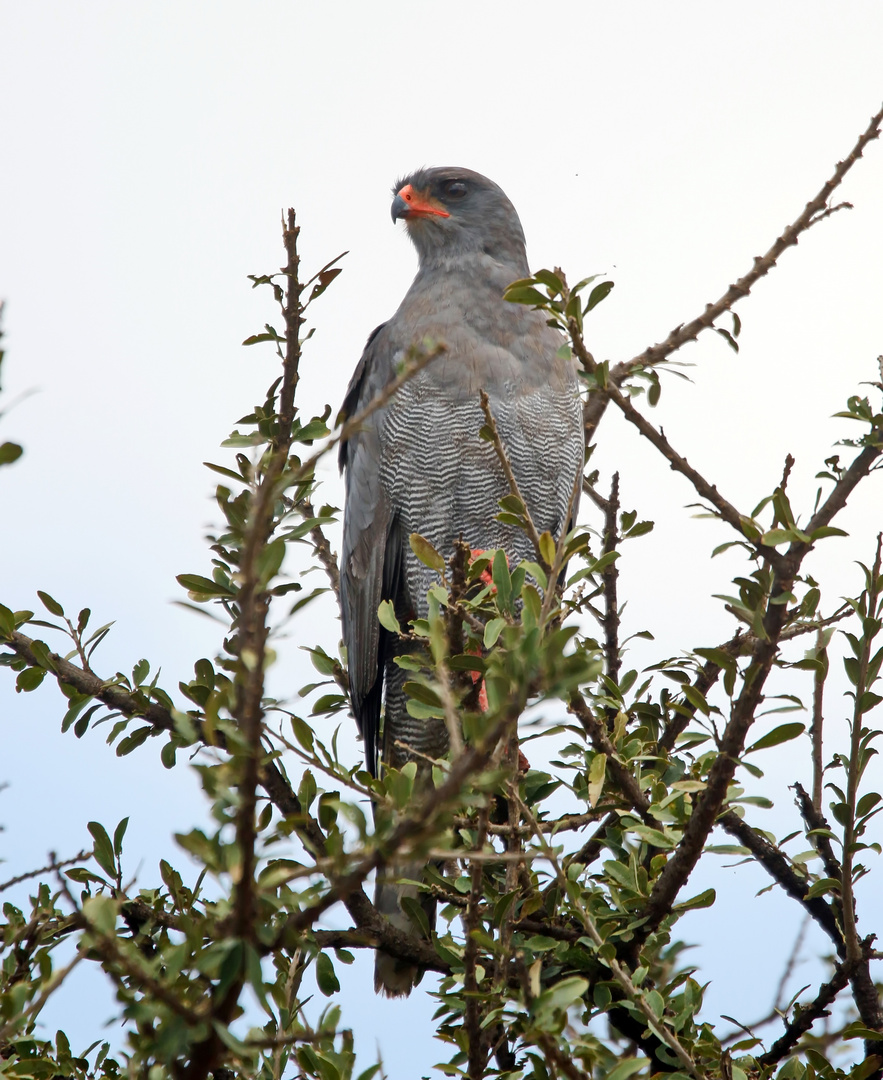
(418, 465)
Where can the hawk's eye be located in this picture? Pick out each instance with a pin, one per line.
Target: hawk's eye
(455, 189)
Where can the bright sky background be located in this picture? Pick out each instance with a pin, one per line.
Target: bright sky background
(147, 151)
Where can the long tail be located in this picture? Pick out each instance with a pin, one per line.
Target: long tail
(393, 977)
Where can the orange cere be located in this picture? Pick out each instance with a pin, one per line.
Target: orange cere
(421, 202)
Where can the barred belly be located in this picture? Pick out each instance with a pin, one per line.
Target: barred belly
(445, 483)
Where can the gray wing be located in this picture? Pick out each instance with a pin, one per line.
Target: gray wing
(371, 555)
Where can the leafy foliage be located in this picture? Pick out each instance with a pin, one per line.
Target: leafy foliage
(561, 893)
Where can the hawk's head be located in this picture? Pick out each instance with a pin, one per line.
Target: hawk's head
(450, 211)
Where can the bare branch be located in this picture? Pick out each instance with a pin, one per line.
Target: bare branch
(53, 865)
(816, 210)
(781, 871)
(808, 1015)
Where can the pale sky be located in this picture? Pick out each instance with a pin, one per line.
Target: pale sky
(147, 151)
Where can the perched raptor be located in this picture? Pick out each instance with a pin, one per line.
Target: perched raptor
(418, 465)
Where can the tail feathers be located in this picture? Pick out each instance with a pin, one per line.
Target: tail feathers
(394, 977)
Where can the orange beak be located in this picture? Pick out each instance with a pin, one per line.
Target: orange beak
(411, 203)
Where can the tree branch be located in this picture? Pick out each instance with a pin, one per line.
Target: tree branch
(807, 1016)
(816, 210)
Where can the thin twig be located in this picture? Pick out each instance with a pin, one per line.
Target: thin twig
(778, 867)
(54, 982)
(725, 509)
(600, 739)
(732, 742)
(816, 823)
(529, 526)
(815, 730)
(808, 1015)
(135, 705)
(321, 546)
(854, 770)
(53, 865)
(816, 210)
(609, 576)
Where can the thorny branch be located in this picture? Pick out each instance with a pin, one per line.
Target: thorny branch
(53, 865)
(816, 210)
(808, 1015)
(251, 628)
(763, 654)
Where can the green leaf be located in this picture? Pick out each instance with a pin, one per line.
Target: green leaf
(701, 900)
(518, 293)
(425, 552)
(29, 679)
(83, 876)
(386, 613)
(547, 548)
(52, 606)
(414, 910)
(858, 1030)
(822, 886)
(322, 662)
(9, 452)
(783, 733)
(40, 651)
(492, 631)
(550, 280)
(420, 692)
(827, 530)
(599, 293)
(773, 537)
(536, 572)
(558, 997)
(101, 912)
(201, 588)
(118, 834)
(369, 1073)
(326, 978)
(421, 711)
(502, 579)
(328, 703)
(641, 529)
(728, 337)
(654, 837)
(325, 279)
(103, 849)
(597, 771)
(133, 741)
(270, 560)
